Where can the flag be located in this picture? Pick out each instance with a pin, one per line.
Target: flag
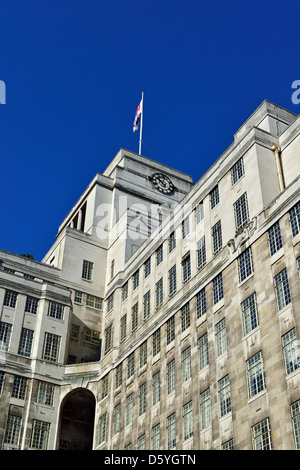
(137, 117)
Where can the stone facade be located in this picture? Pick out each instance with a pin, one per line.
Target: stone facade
(166, 314)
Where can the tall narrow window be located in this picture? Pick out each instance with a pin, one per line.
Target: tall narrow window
(282, 289)
(221, 337)
(201, 303)
(186, 364)
(295, 219)
(5, 333)
(203, 351)
(237, 171)
(87, 270)
(12, 430)
(102, 428)
(245, 264)
(134, 317)
(147, 268)
(119, 375)
(170, 329)
(159, 293)
(249, 314)
(156, 342)
(25, 344)
(224, 395)
(291, 351)
(108, 339)
(255, 375)
(143, 354)
(159, 255)
(156, 437)
(185, 227)
(130, 365)
(241, 213)
(19, 387)
(295, 408)
(147, 305)
(218, 288)
(136, 279)
(51, 347)
(217, 237)
(205, 409)
(275, 240)
(156, 388)
(129, 409)
(214, 197)
(201, 253)
(172, 280)
(125, 291)
(32, 305)
(185, 317)
(261, 436)
(116, 418)
(186, 268)
(123, 326)
(142, 399)
(188, 424)
(171, 376)
(199, 212)
(171, 431)
(172, 242)
(10, 299)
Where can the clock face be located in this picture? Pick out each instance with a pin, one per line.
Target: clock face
(162, 183)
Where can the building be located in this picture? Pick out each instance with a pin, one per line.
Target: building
(166, 314)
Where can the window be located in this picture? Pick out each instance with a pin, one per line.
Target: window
(123, 324)
(203, 351)
(172, 280)
(156, 342)
(143, 354)
(295, 219)
(205, 409)
(119, 375)
(56, 310)
(185, 227)
(199, 212)
(136, 279)
(87, 270)
(130, 365)
(156, 437)
(124, 291)
(159, 255)
(214, 197)
(91, 336)
(295, 409)
(249, 314)
(142, 399)
(261, 436)
(31, 305)
(94, 302)
(255, 375)
(104, 386)
(141, 443)
(171, 431)
(282, 289)
(170, 329)
(186, 268)
(217, 237)
(147, 268)
(75, 331)
(10, 299)
(228, 445)
(156, 388)
(112, 268)
(275, 240)
(186, 365)
(188, 420)
(221, 337)
(201, 253)
(12, 431)
(224, 395)
(110, 302)
(129, 409)
(147, 305)
(108, 339)
(185, 317)
(5, 332)
(102, 428)
(1, 380)
(291, 351)
(241, 213)
(19, 387)
(237, 171)
(201, 303)
(159, 293)
(25, 344)
(218, 288)
(245, 264)
(171, 376)
(116, 418)
(45, 393)
(51, 347)
(134, 317)
(172, 242)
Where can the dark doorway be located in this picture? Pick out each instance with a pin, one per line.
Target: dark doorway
(77, 421)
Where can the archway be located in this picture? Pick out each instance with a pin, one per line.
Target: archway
(77, 421)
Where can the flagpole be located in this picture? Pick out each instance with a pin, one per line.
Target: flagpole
(141, 127)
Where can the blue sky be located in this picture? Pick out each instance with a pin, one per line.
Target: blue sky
(74, 72)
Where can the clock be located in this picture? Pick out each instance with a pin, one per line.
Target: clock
(162, 183)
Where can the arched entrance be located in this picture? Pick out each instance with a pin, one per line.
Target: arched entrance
(77, 421)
